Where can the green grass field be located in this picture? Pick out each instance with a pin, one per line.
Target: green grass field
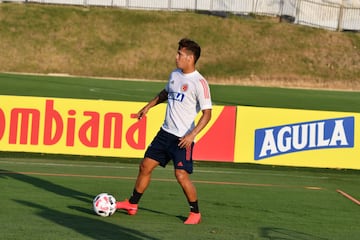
(88, 88)
(50, 196)
(51, 199)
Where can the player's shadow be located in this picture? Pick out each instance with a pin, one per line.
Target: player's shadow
(48, 186)
(273, 233)
(90, 227)
(87, 226)
(182, 218)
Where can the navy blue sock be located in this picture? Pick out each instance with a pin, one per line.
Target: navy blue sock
(194, 207)
(135, 197)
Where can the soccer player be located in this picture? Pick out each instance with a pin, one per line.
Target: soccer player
(187, 93)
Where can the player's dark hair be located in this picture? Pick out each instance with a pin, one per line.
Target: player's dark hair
(191, 46)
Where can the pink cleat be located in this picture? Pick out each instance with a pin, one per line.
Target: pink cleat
(194, 218)
(129, 207)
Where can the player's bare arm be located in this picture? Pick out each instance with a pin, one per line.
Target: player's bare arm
(161, 97)
(187, 140)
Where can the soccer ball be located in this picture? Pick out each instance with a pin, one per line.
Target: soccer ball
(104, 204)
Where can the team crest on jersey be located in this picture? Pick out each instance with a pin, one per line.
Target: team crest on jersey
(184, 87)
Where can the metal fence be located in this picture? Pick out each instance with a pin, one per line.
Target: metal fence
(328, 14)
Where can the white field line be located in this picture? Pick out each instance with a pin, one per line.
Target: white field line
(348, 196)
(160, 180)
(116, 166)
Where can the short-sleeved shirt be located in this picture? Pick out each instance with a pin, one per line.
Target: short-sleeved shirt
(187, 95)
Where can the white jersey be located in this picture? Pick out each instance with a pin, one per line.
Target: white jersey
(187, 95)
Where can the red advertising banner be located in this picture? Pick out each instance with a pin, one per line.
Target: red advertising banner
(218, 143)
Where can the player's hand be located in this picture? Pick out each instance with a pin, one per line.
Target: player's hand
(142, 113)
(186, 141)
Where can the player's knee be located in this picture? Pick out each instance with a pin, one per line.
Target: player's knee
(181, 176)
(144, 169)
(147, 166)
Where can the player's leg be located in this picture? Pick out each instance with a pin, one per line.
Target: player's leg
(183, 165)
(183, 178)
(146, 167)
(154, 156)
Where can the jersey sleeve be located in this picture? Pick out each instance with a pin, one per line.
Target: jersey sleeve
(204, 96)
(168, 82)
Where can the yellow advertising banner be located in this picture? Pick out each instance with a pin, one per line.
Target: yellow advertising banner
(74, 126)
(99, 128)
(290, 137)
(286, 137)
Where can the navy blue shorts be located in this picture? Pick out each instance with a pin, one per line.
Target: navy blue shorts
(164, 148)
